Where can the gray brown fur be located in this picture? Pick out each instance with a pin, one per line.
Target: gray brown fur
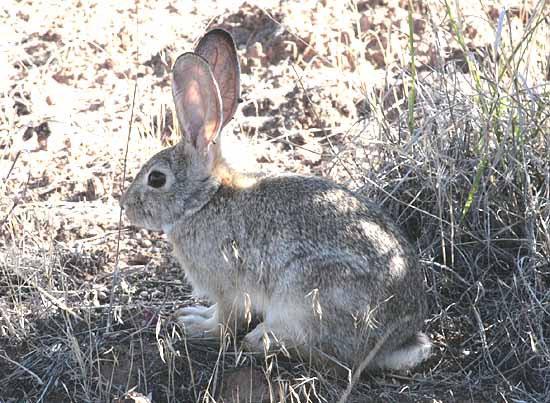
(325, 270)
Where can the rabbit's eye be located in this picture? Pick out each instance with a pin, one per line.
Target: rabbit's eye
(156, 179)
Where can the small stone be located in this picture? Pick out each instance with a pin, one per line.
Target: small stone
(145, 243)
(365, 22)
(138, 260)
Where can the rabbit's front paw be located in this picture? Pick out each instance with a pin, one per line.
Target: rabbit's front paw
(199, 321)
(197, 310)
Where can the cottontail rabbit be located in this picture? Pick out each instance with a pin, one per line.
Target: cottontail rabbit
(327, 271)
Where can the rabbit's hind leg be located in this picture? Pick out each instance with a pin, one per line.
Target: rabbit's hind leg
(283, 328)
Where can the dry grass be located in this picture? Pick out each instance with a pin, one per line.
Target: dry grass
(471, 184)
(457, 149)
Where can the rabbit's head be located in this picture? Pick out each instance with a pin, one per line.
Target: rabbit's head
(180, 180)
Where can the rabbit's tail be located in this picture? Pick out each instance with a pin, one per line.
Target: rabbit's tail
(409, 354)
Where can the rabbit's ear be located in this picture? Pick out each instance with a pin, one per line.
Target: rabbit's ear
(218, 48)
(197, 99)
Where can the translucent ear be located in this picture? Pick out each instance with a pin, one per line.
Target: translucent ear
(218, 48)
(197, 100)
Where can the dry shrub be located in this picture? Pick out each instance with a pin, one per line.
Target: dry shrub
(471, 185)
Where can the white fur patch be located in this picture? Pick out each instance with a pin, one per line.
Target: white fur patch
(408, 356)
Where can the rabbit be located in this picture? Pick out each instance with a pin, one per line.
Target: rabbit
(327, 272)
